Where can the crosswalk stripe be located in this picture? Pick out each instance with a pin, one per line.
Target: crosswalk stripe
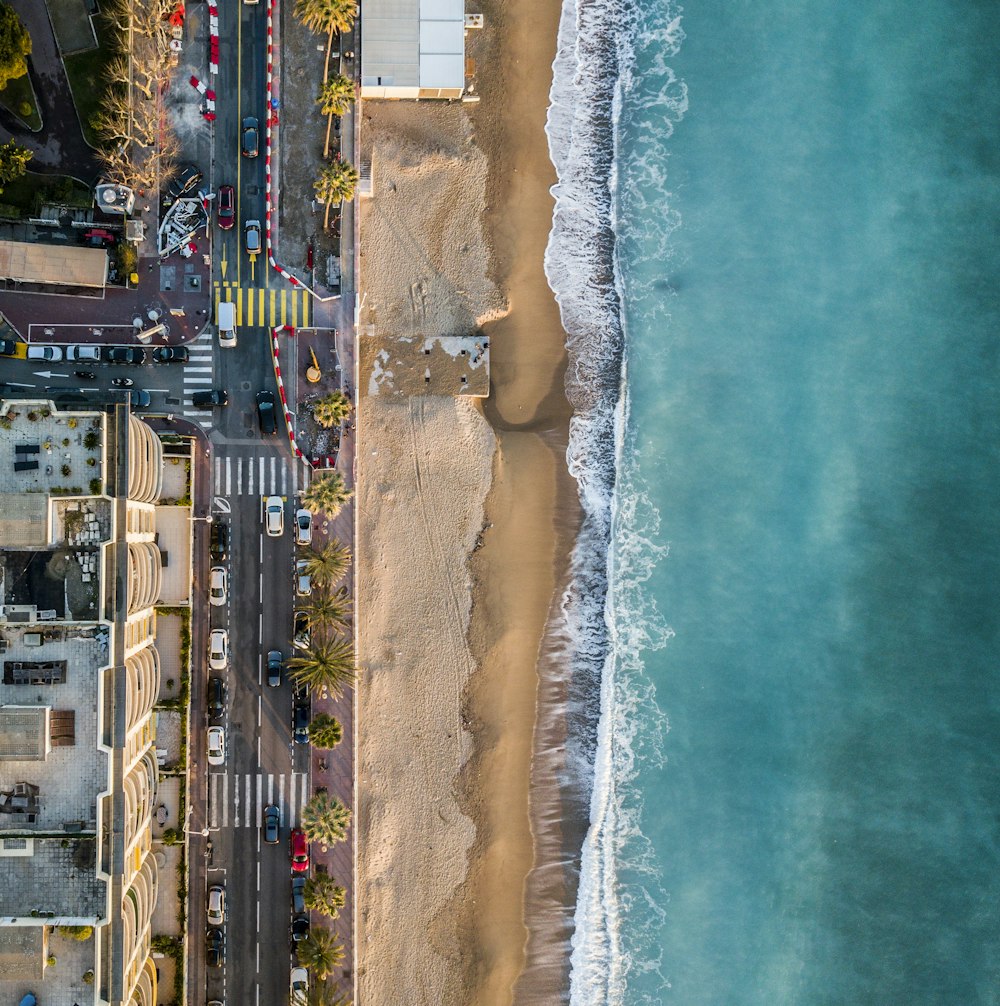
(260, 779)
(270, 788)
(218, 474)
(248, 799)
(250, 479)
(239, 474)
(229, 476)
(261, 465)
(284, 479)
(197, 380)
(197, 370)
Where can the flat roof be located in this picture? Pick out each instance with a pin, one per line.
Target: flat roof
(22, 733)
(53, 264)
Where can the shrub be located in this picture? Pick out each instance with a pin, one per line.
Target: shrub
(65, 441)
(81, 933)
(32, 417)
(91, 440)
(72, 422)
(95, 487)
(66, 470)
(91, 462)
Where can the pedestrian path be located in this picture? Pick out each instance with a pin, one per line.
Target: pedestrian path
(266, 308)
(197, 376)
(257, 475)
(238, 800)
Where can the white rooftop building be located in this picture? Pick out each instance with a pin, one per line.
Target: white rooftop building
(412, 48)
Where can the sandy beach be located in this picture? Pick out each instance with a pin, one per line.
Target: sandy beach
(466, 516)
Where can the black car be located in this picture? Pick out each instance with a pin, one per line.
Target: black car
(272, 824)
(126, 354)
(215, 947)
(298, 895)
(300, 928)
(216, 698)
(139, 399)
(170, 354)
(274, 668)
(250, 136)
(220, 541)
(300, 632)
(213, 399)
(185, 180)
(300, 723)
(7, 347)
(266, 413)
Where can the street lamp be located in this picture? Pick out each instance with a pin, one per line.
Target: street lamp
(207, 520)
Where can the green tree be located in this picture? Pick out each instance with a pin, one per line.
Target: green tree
(323, 894)
(329, 566)
(15, 46)
(336, 183)
(81, 933)
(326, 493)
(325, 819)
(328, 610)
(332, 409)
(329, 16)
(320, 953)
(325, 732)
(13, 162)
(335, 97)
(325, 667)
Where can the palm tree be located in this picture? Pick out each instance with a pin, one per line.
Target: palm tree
(325, 819)
(329, 16)
(320, 953)
(326, 667)
(330, 610)
(336, 183)
(329, 566)
(326, 994)
(325, 732)
(335, 97)
(323, 894)
(332, 409)
(326, 493)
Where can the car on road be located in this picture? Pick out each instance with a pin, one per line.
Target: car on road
(250, 137)
(265, 413)
(274, 667)
(126, 354)
(218, 649)
(170, 354)
(215, 948)
(303, 527)
(301, 636)
(220, 541)
(274, 516)
(303, 581)
(300, 928)
(299, 851)
(83, 354)
(217, 591)
(216, 905)
(226, 207)
(139, 399)
(216, 746)
(216, 698)
(213, 399)
(300, 723)
(184, 181)
(298, 895)
(299, 983)
(251, 237)
(272, 824)
(50, 354)
(8, 347)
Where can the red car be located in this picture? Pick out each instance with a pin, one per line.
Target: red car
(300, 851)
(226, 208)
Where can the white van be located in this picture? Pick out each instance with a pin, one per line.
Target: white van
(81, 354)
(226, 320)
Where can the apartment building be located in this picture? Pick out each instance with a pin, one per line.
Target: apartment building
(80, 571)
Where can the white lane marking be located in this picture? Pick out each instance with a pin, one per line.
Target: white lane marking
(239, 476)
(281, 791)
(236, 801)
(273, 460)
(261, 465)
(197, 370)
(250, 480)
(284, 479)
(295, 478)
(270, 789)
(222, 504)
(258, 800)
(218, 473)
(248, 799)
(213, 801)
(229, 476)
(193, 380)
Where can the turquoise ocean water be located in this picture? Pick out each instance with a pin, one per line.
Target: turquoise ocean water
(776, 251)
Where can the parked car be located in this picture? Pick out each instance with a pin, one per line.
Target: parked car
(298, 895)
(185, 180)
(216, 698)
(216, 746)
(303, 527)
(218, 649)
(8, 347)
(126, 354)
(303, 581)
(299, 981)
(300, 632)
(226, 207)
(139, 399)
(251, 237)
(220, 541)
(83, 354)
(274, 516)
(97, 237)
(50, 354)
(300, 723)
(300, 928)
(299, 850)
(272, 824)
(274, 668)
(250, 137)
(217, 591)
(213, 399)
(215, 948)
(265, 413)
(170, 354)
(216, 905)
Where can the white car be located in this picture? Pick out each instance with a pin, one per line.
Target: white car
(50, 354)
(274, 516)
(299, 987)
(303, 581)
(216, 905)
(218, 650)
(83, 354)
(216, 746)
(217, 586)
(303, 527)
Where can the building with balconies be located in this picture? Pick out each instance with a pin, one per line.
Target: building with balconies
(80, 572)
